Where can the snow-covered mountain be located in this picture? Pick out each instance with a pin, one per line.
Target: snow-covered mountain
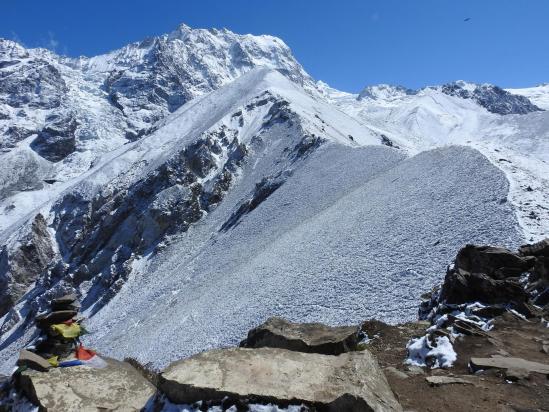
(190, 185)
(539, 95)
(511, 130)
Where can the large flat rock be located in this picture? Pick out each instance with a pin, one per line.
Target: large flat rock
(509, 363)
(349, 382)
(303, 337)
(117, 387)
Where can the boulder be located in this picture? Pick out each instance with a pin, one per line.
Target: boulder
(303, 337)
(117, 387)
(350, 382)
(516, 374)
(490, 311)
(65, 299)
(448, 380)
(33, 361)
(472, 287)
(391, 370)
(495, 262)
(536, 249)
(44, 321)
(509, 363)
(66, 302)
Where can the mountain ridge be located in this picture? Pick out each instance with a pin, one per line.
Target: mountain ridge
(130, 174)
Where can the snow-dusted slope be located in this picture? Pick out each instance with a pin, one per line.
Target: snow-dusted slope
(139, 194)
(438, 116)
(59, 115)
(258, 191)
(317, 249)
(190, 185)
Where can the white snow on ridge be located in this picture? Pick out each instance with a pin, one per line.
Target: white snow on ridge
(180, 129)
(517, 144)
(539, 95)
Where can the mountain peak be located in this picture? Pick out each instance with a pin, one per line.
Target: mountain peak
(385, 92)
(181, 32)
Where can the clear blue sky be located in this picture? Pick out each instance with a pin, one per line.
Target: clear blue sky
(347, 43)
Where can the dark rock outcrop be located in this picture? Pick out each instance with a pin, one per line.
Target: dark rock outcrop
(540, 248)
(496, 262)
(20, 269)
(487, 274)
(492, 98)
(472, 287)
(57, 139)
(303, 337)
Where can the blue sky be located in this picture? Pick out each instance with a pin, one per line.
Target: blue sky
(347, 43)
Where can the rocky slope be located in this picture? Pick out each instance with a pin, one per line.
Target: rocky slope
(203, 178)
(495, 337)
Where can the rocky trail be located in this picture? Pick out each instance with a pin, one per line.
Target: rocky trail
(481, 343)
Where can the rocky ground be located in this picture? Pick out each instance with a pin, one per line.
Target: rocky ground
(482, 344)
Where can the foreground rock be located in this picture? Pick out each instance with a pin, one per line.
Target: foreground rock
(495, 262)
(497, 276)
(303, 337)
(500, 362)
(32, 360)
(349, 382)
(117, 387)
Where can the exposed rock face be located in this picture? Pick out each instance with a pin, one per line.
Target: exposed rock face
(303, 337)
(540, 251)
(349, 382)
(385, 91)
(498, 263)
(486, 274)
(29, 80)
(492, 98)
(57, 139)
(471, 287)
(537, 249)
(152, 78)
(491, 275)
(80, 388)
(28, 261)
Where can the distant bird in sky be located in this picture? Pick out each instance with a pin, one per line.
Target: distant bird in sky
(467, 19)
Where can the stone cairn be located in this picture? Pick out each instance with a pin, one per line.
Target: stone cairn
(60, 329)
